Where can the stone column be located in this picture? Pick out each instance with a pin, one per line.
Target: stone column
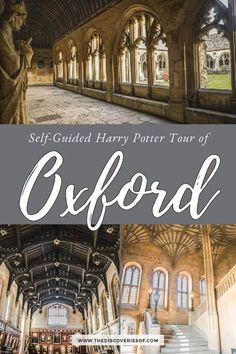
(134, 68)
(150, 54)
(65, 72)
(232, 11)
(22, 337)
(213, 320)
(177, 71)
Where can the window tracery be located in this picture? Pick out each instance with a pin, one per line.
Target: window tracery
(213, 38)
(57, 315)
(105, 309)
(202, 288)
(143, 52)
(97, 318)
(60, 67)
(96, 59)
(183, 291)
(116, 295)
(72, 64)
(159, 285)
(130, 286)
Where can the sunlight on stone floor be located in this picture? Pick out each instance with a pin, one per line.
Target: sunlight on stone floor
(51, 105)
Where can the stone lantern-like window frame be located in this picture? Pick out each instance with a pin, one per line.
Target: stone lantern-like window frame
(141, 43)
(217, 17)
(96, 62)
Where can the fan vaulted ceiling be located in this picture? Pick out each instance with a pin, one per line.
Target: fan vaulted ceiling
(58, 263)
(178, 240)
(49, 20)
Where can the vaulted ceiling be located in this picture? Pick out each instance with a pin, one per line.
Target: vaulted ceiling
(58, 263)
(179, 240)
(49, 20)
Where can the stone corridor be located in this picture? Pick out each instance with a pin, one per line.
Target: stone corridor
(51, 105)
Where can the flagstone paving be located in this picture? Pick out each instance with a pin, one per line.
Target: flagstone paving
(51, 105)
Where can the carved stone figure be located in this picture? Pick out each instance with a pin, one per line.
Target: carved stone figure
(14, 60)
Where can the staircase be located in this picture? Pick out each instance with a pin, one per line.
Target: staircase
(183, 339)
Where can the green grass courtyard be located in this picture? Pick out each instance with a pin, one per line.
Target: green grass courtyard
(219, 81)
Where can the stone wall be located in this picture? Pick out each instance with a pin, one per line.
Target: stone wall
(225, 263)
(40, 320)
(41, 71)
(227, 315)
(4, 276)
(149, 257)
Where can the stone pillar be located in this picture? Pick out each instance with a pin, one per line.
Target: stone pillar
(213, 320)
(133, 69)
(150, 54)
(108, 77)
(177, 72)
(22, 337)
(65, 72)
(232, 11)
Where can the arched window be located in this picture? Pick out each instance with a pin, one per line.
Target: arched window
(57, 315)
(125, 65)
(130, 286)
(184, 288)
(213, 38)
(59, 67)
(224, 60)
(1, 287)
(105, 309)
(91, 322)
(161, 58)
(95, 60)
(19, 313)
(143, 51)
(142, 70)
(202, 288)
(72, 62)
(97, 318)
(2, 293)
(12, 304)
(159, 285)
(210, 62)
(116, 295)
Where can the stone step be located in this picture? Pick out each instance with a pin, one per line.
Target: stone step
(178, 343)
(190, 330)
(185, 345)
(188, 333)
(187, 342)
(183, 339)
(201, 351)
(186, 350)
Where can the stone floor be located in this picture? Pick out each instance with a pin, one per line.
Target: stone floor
(51, 105)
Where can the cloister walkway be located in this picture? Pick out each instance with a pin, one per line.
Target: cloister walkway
(51, 105)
